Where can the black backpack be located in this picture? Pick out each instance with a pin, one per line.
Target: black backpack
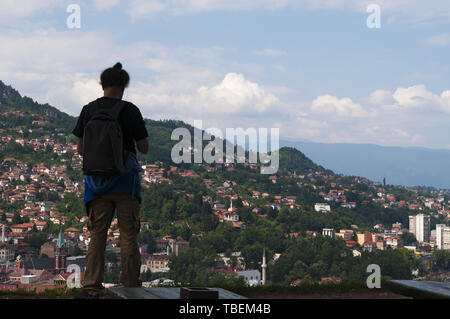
(103, 142)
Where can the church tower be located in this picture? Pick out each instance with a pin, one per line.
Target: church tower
(60, 254)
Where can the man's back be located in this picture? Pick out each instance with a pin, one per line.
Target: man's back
(130, 120)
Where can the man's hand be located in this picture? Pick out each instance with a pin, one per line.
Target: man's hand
(80, 146)
(143, 145)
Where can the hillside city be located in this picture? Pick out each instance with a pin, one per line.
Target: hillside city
(206, 223)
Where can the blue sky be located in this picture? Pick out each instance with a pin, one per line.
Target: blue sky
(312, 68)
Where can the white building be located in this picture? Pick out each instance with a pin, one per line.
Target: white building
(329, 232)
(442, 236)
(28, 279)
(6, 253)
(321, 207)
(419, 225)
(252, 277)
(412, 224)
(439, 231)
(446, 238)
(231, 217)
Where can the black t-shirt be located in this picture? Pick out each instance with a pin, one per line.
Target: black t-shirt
(130, 120)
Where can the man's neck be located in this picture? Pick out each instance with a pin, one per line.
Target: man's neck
(114, 93)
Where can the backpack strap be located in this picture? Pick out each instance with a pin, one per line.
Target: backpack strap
(116, 109)
(113, 112)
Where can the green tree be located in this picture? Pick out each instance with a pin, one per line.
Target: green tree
(442, 260)
(408, 239)
(17, 219)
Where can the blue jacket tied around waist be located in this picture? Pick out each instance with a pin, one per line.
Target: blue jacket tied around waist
(129, 182)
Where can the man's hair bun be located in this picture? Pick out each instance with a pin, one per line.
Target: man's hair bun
(115, 77)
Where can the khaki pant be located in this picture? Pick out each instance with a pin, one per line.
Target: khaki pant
(101, 212)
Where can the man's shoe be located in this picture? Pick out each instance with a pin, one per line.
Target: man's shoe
(86, 294)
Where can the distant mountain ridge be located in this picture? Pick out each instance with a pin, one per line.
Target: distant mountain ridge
(409, 166)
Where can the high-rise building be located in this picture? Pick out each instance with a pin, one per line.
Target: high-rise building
(442, 236)
(439, 228)
(419, 225)
(412, 224)
(446, 238)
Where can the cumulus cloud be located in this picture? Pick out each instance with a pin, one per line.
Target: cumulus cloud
(413, 96)
(233, 97)
(235, 93)
(76, 90)
(12, 9)
(408, 116)
(45, 63)
(418, 96)
(333, 106)
(380, 97)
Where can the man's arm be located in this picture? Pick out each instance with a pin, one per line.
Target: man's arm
(143, 145)
(80, 146)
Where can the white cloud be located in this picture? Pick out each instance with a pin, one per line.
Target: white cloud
(380, 97)
(332, 106)
(414, 96)
(234, 94)
(407, 117)
(190, 83)
(416, 11)
(12, 9)
(441, 40)
(412, 11)
(46, 64)
(419, 97)
(148, 8)
(105, 4)
(270, 52)
(79, 90)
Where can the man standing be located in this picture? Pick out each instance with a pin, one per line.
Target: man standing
(120, 193)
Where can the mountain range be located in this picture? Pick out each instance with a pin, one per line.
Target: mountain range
(406, 166)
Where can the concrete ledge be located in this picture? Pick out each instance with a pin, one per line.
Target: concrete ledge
(162, 293)
(421, 289)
